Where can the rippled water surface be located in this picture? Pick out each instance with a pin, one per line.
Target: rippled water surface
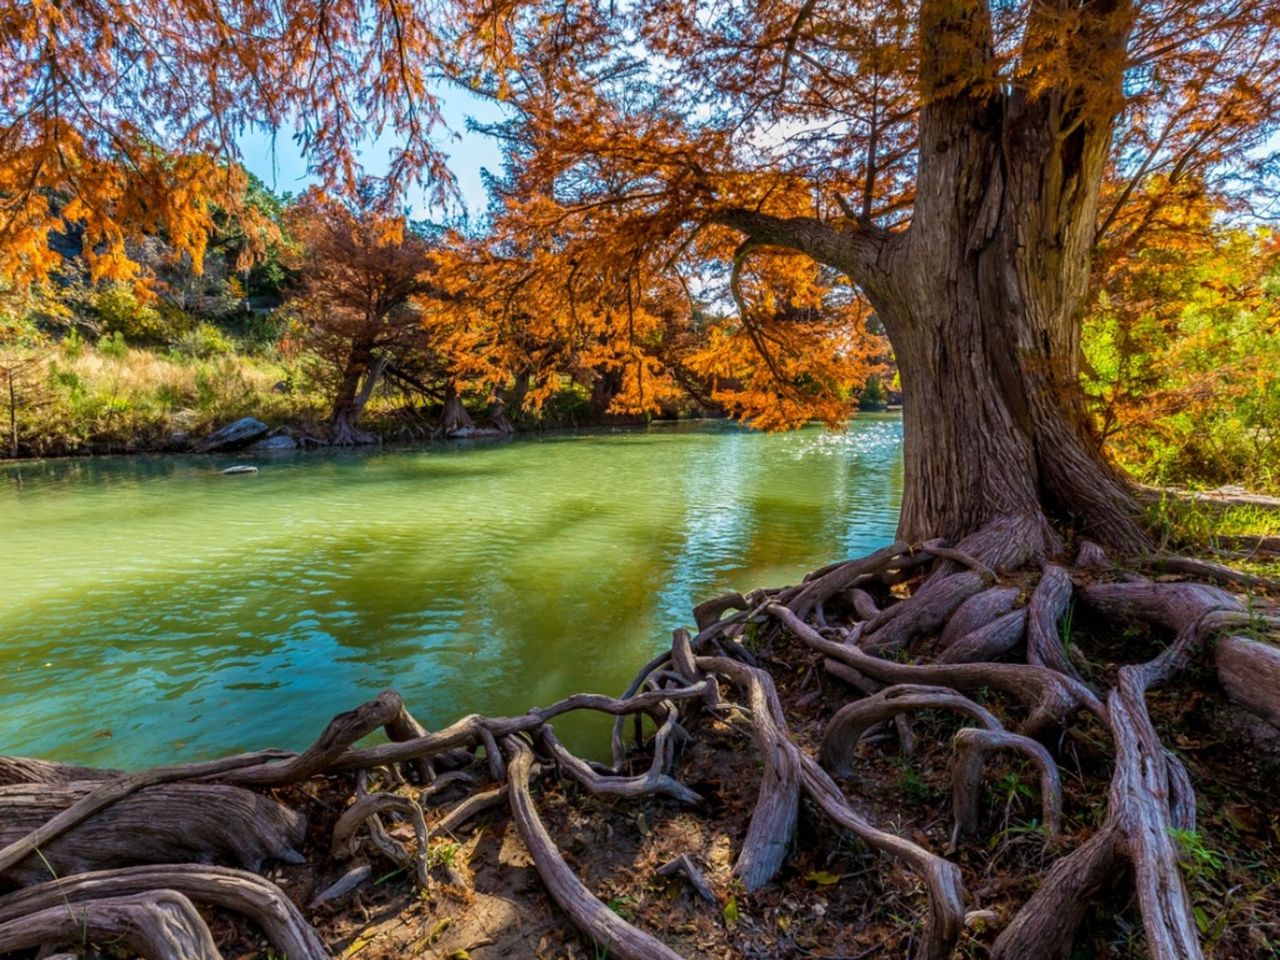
(152, 610)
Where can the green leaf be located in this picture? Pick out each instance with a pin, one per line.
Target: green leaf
(731, 911)
(824, 877)
(1202, 919)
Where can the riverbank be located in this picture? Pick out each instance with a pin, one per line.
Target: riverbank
(157, 613)
(80, 399)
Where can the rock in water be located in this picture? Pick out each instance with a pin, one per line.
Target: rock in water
(274, 444)
(243, 468)
(234, 435)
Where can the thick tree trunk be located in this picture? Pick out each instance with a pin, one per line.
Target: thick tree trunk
(994, 422)
(984, 300)
(982, 296)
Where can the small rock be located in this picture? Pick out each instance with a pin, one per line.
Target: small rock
(234, 435)
(242, 468)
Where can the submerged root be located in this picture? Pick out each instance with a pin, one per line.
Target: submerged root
(977, 641)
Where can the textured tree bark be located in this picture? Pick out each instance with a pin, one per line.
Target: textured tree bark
(852, 720)
(454, 416)
(607, 929)
(988, 642)
(161, 925)
(1250, 674)
(169, 823)
(972, 746)
(773, 820)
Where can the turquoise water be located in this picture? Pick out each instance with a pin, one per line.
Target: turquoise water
(152, 610)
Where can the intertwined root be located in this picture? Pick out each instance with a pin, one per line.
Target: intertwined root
(113, 838)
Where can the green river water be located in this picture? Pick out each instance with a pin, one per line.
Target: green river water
(152, 610)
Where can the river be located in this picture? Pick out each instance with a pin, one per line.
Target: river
(152, 610)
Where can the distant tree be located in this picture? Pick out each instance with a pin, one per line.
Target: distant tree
(24, 353)
(358, 271)
(874, 396)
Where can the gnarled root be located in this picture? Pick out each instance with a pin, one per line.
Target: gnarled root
(601, 925)
(774, 821)
(973, 745)
(171, 823)
(852, 720)
(160, 925)
(957, 638)
(237, 891)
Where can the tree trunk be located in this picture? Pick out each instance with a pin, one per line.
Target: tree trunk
(361, 375)
(994, 421)
(982, 296)
(605, 385)
(985, 298)
(454, 419)
(13, 414)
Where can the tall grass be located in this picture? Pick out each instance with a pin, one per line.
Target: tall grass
(111, 397)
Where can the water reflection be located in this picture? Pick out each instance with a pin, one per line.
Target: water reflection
(189, 614)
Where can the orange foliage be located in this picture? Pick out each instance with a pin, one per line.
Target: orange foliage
(646, 141)
(122, 117)
(358, 272)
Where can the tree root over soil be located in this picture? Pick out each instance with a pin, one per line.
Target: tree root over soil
(786, 702)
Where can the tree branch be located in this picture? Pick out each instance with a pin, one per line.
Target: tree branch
(855, 251)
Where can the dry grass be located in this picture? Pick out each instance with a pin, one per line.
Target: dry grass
(106, 399)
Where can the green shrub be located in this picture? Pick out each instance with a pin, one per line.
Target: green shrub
(120, 311)
(202, 341)
(874, 396)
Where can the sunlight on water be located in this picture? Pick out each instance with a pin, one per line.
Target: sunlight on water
(152, 610)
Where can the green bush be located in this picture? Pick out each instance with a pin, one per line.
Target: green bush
(874, 396)
(203, 341)
(119, 311)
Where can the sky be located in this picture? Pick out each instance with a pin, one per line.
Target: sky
(279, 162)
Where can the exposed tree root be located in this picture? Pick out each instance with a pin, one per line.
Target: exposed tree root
(235, 890)
(161, 824)
(160, 925)
(851, 721)
(973, 745)
(962, 646)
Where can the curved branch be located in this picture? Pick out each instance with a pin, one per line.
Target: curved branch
(1050, 695)
(654, 781)
(773, 821)
(366, 809)
(855, 251)
(159, 925)
(852, 720)
(972, 747)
